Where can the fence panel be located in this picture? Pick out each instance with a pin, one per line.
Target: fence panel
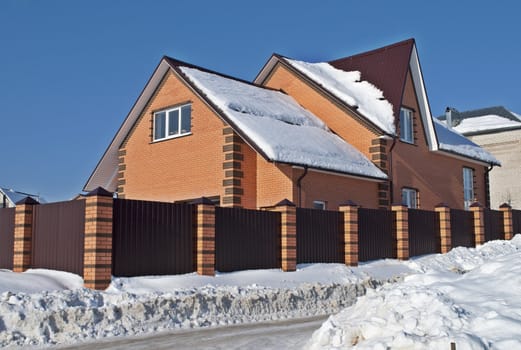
(152, 238)
(320, 238)
(58, 236)
(246, 239)
(493, 225)
(376, 239)
(462, 228)
(516, 221)
(6, 238)
(424, 232)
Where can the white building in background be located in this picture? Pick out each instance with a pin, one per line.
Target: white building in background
(9, 197)
(498, 130)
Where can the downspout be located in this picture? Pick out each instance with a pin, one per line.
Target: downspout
(299, 185)
(487, 186)
(390, 175)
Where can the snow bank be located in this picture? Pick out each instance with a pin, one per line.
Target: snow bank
(486, 122)
(284, 130)
(451, 141)
(37, 280)
(477, 309)
(348, 87)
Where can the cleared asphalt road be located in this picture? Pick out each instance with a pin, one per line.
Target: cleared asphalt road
(291, 334)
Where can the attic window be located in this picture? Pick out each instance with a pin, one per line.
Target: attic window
(173, 122)
(406, 125)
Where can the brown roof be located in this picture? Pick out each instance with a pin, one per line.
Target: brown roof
(385, 68)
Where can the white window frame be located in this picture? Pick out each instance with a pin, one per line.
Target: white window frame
(407, 125)
(468, 187)
(167, 112)
(410, 197)
(319, 205)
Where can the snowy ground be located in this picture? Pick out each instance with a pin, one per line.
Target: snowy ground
(468, 296)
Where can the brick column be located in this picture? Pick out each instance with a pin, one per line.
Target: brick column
(401, 227)
(445, 229)
(479, 223)
(350, 211)
(233, 169)
(288, 234)
(508, 227)
(97, 255)
(205, 233)
(23, 234)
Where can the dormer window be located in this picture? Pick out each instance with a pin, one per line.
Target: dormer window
(406, 125)
(173, 122)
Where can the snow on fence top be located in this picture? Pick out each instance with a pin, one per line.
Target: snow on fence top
(486, 122)
(451, 141)
(280, 127)
(348, 87)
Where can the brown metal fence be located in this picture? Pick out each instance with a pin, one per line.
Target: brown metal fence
(462, 228)
(320, 237)
(152, 238)
(6, 238)
(424, 232)
(376, 238)
(516, 221)
(493, 225)
(58, 236)
(246, 239)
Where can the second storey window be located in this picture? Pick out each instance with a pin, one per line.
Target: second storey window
(406, 125)
(172, 122)
(410, 197)
(468, 187)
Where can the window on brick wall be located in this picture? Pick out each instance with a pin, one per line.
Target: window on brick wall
(406, 125)
(321, 205)
(173, 122)
(410, 197)
(468, 187)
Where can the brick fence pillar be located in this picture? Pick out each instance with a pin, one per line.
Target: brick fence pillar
(508, 227)
(445, 229)
(97, 255)
(288, 234)
(350, 212)
(205, 233)
(23, 234)
(401, 227)
(479, 223)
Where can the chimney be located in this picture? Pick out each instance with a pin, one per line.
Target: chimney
(448, 117)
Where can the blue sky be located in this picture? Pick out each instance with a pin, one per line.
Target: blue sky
(71, 70)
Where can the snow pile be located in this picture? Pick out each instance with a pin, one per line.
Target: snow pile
(451, 141)
(282, 129)
(484, 123)
(348, 87)
(37, 280)
(475, 310)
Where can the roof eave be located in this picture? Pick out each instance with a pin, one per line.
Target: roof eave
(336, 172)
(491, 131)
(466, 158)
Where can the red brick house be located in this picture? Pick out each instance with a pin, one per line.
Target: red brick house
(426, 163)
(193, 132)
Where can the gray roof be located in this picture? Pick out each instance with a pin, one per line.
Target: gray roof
(16, 196)
(501, 111)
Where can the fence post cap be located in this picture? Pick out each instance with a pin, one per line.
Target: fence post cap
(348, 203)
(442, 205)
(27, 200)
(476, 205)
(505, 206)
(285, 203)
(99, 191)
(202, 200)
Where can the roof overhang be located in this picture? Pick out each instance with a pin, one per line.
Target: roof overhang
(336, 173)
(463, 158)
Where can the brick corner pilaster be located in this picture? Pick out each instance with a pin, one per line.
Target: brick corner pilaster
(23, 234)
(233, 190)
(508, 227)
(205, 236)
(401, 227)
(97, 256)
(443, 211)
(479, 222)
(288, 234)
(350, 212)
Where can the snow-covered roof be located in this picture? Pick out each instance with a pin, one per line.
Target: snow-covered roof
(279, 127)
(348, 87)
(485, 123)
(16, 196)
(451, 141)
